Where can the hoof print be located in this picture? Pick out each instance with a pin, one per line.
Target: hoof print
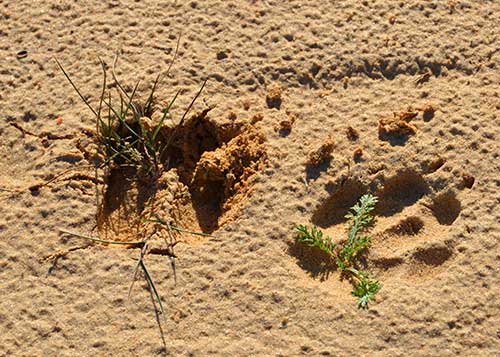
(210, 171)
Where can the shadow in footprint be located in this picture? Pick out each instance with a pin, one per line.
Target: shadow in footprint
(435, 255)
(333, 210)
(207, 202)
(401, 191)
(387, 263)
(446, 208)
(214, 162)
(124, 200)
(394, 140)
(407, 227)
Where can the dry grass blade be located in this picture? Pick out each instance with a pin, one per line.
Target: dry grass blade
(97, 126)
(113, 73)
(181, 230)
(136, 269)
(165, 113)
(101, 99)
(134, 278)
(172, 258)
(153, 288)
(149, 102)
(177, 229)
(97, 240)
(139, 264)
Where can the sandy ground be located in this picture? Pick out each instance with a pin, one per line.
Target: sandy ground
(324, 66)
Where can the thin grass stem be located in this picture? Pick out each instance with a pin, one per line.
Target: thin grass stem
(153, 288)
(136, 243)
(180, 230)
(172, 135)
(165, 113)
(76, 89)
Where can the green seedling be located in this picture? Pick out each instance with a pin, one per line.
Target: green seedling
(314, 238)
(359, 220)
(365, 289)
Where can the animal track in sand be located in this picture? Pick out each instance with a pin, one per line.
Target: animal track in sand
(211, 170)
(410, 236)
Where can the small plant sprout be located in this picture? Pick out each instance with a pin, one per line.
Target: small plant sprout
(365, 289)
(314, 238)
(359, 220)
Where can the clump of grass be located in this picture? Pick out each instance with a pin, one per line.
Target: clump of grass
(359, 219)
(125, 131)
(127, 136)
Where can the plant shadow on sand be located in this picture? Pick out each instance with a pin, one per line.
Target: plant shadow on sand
(316, 262)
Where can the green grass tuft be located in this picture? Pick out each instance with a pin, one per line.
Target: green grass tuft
(127, 136)
(125, 132)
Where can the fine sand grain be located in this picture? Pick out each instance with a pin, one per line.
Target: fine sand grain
(314, 104)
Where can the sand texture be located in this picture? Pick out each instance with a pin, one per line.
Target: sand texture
(308, 105)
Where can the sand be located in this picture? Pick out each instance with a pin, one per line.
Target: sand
(404, 97)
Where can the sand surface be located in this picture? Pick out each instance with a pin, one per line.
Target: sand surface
(405, 92)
